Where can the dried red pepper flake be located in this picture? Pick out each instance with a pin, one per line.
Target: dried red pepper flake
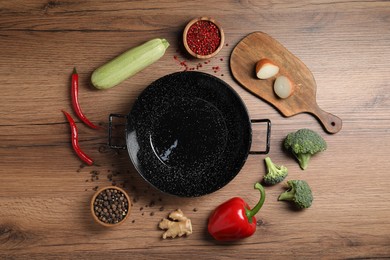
(182, 63)
(187, 65)
(216, 69)
(203, 37)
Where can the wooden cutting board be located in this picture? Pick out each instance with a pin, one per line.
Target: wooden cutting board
(259, 45)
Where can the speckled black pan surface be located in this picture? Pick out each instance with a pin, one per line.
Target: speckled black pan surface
(188, 134)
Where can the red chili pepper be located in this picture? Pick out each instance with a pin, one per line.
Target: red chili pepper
(75, 100)
(75, 140)
(234, 219)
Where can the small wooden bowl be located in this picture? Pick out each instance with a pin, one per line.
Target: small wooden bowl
(92, 206)
(191, 52)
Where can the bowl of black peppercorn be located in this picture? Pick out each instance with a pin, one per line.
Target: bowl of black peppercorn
(110, 206)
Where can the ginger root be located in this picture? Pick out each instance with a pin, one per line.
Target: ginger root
(177, 225)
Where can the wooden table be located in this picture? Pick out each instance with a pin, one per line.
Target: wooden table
(45, 192)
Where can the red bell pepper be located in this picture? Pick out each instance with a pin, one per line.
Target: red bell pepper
(234, 219)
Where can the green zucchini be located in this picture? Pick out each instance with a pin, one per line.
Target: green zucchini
(128, 63)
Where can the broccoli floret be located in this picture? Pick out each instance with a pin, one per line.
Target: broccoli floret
(275, 173)
(299, 193)
(303, 144)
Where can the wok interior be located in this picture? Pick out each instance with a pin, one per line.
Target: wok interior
(192, 133)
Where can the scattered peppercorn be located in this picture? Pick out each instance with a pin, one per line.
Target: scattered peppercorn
(103, 149)
(81, 167)
(94, 175)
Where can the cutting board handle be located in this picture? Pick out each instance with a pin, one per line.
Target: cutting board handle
(330, 122)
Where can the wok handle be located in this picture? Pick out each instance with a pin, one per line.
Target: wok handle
(110, 126)
(268, 142)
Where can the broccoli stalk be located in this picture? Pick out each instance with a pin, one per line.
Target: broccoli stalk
(303, 159)
(303, 144)
(299, 193)
(275, 173)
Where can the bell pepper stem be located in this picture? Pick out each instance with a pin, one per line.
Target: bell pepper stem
(250, 213)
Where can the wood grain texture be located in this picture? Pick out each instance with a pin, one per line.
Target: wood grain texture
(45, 193)
(259, 45)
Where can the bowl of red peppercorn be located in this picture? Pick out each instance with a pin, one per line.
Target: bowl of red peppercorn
(203, 38)
(110, 206)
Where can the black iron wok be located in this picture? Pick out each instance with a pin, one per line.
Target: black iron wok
(189, 134)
